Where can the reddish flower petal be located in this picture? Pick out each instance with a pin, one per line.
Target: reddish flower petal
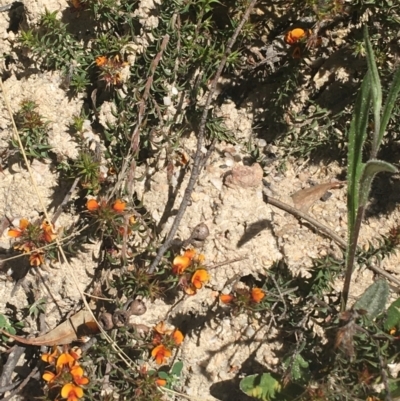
(226, 298)
(65, 359)
(71, 392)
(119, 206)
(296, 35)
(23, 224)
(36, 259)
(48, 376)
(180, 264)
(161, 382)
(257, 294)
(14, 232)
(92, 205)
(160, 354)
(200, 277)
(177, 336)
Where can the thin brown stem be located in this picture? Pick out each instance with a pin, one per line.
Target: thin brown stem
(198, 159)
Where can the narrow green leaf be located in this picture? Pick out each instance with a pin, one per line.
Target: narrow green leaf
(390, 102)
(376, 89)
(357, 136)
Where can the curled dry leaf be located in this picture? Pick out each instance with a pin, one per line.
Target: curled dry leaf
(304, 198)
(73, 329)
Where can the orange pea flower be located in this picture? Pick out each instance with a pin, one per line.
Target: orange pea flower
(65, 359)
(17, 232)
(48, 232)
(50, 358)
(190, 253)
(257, 294)
(296, 35)
(49, 376)
(161, 382)
(161, 328)
(101, 60)
(199, 278)
(180, 264)
(226, 298)
(92, 205)
(177, 336)
(119, 206)
(77, 374)
(160, 354)
(36, 259)
(71, 392)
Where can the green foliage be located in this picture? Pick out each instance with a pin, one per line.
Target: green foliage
(37, 308)
(393, 316)
(374, 299)
(33, 131)
(9, 327)
(262, 387)
(360, 174)
(57, 49)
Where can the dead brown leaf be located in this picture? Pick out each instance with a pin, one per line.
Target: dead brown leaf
(73, 329)
(304, 198)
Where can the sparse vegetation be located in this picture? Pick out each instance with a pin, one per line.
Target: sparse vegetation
(152, 78)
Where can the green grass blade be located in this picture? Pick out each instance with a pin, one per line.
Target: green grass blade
(376, 89)
(357, 136)
(390, 102)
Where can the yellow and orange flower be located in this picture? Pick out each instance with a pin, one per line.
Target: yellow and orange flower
(49, 234)
(257, 294)
(92, 205)
(160, 354)
(65, 360)
(78, 375)
(119, 206)
(161, 328)
(177, 337)
(36, 259)
(49, 376)
(161, 382)
(226, 298)
(17, 232)
(180, 264)
(296, 35)
(101, 60)
(50, 358)
(71, 392)
(199, 278)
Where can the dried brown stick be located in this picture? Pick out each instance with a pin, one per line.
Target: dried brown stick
(301, 215)
(128, 162)
(325, 230)
(146, 93)
(198, 159)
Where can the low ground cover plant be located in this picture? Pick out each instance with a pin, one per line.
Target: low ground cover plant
(162, 75)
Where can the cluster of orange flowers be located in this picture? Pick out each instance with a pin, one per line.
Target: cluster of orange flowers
(69, 375)
(243, 298)
(111, 214)
(165, 340)
(111, 69)
(188, 266)
(32, 237)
